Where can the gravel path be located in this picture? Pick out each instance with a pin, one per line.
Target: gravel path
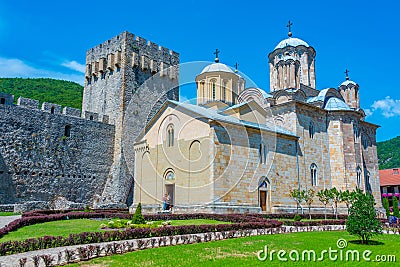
(4, 220)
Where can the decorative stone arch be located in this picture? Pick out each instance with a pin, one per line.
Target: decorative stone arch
(264, 194)
(170, 135)
(252, 94)
(314, 174)
(300, 96)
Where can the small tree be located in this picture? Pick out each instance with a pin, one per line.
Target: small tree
(348, 198)
(298, 196)
(336, 199)
(325, 197)
(395, 203)
(385, 204)
(362, 220)
(309, 199)
(138, 217)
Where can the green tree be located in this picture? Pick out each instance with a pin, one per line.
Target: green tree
(395, 203)
(348, 198)
(385, 204)
(389, 153)
(325, 196)
(138, 217)
(309, 199)
(336, 199)
(298, 196)
(362, 220)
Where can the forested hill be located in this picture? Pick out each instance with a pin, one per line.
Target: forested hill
(389, 153)
(64, 93)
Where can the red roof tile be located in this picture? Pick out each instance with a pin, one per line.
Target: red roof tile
(390, 176)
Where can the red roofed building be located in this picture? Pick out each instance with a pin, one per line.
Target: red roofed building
(390, 182)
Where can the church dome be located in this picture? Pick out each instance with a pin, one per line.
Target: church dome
(347, 82)
(291, 42)
(334, 103)
(215, 67)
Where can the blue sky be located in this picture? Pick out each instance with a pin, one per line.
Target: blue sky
(50, 38)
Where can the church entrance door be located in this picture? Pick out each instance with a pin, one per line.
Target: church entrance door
(170, 191)
(263, 200)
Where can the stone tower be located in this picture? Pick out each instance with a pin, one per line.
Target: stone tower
(292, 63)
(349, 91)
(117, 87)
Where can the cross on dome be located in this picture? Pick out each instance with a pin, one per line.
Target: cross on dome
(216, 55)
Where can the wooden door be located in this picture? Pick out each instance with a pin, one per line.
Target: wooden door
(263, 200)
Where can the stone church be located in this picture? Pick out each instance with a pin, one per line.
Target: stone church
(236, 149)
(241, 149)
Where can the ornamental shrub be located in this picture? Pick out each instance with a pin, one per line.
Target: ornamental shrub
(395, 202)
(385, 204)
(138, 217)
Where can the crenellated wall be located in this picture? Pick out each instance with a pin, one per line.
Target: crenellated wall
(127, 77)
(40, 161)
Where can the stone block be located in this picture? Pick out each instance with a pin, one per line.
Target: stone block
(28, 103)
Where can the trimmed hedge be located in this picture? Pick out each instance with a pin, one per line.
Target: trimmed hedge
(12, 247)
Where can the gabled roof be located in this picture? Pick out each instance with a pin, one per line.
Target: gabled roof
(389, 177)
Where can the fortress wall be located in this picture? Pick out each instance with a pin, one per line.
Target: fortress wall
(38, 162)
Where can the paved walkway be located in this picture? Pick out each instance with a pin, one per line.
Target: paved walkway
(4, 220)
(59, 255)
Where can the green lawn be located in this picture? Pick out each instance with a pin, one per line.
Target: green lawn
(66, 227)
(242, 251)
(8, 213)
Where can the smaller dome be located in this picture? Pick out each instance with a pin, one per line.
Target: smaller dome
(217, 67)
(347, 82)
(291, 42)
(334, 103)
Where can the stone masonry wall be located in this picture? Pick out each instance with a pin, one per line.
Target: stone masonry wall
(38, 162)
(128, 79)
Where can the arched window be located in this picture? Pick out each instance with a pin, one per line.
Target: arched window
(91, 117)
(367, 181)
(311, 129)
(2, 100)
(358, 171)
(213, 90)
(356, 134)
(364, 141)
(262, 153)
(169, 175)
(52, 110)
(67, 131)
(314, 178)
(224, 92)
(170, 135)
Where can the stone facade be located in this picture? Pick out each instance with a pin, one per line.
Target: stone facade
(45, 155)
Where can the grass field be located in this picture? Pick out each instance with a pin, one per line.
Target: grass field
(66, 227)
(8, 213)
(243, 252)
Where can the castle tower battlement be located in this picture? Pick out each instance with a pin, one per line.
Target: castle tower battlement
(127, 74)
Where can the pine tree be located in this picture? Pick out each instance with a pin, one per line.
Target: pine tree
(395, 202)
(385, 204)
(138, 217)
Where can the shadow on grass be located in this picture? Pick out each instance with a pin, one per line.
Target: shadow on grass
(370, 242)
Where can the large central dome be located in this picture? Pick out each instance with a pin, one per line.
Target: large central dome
(216, 67)
(291, 42)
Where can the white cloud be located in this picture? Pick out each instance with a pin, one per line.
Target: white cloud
(368, 112)
(73, 65)
(12, 67)
(388, 107)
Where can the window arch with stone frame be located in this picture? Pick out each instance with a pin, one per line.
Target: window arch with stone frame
(262, 153)
(170, 135)
(314, 174)
(169, 175)
(367, 182)
(311, 129)
(213, 88)
(356, 133)
(358, 173)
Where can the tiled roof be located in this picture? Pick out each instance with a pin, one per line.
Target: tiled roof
(216, 115)
(390, 177)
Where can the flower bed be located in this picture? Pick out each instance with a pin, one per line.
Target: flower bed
(12, 247)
